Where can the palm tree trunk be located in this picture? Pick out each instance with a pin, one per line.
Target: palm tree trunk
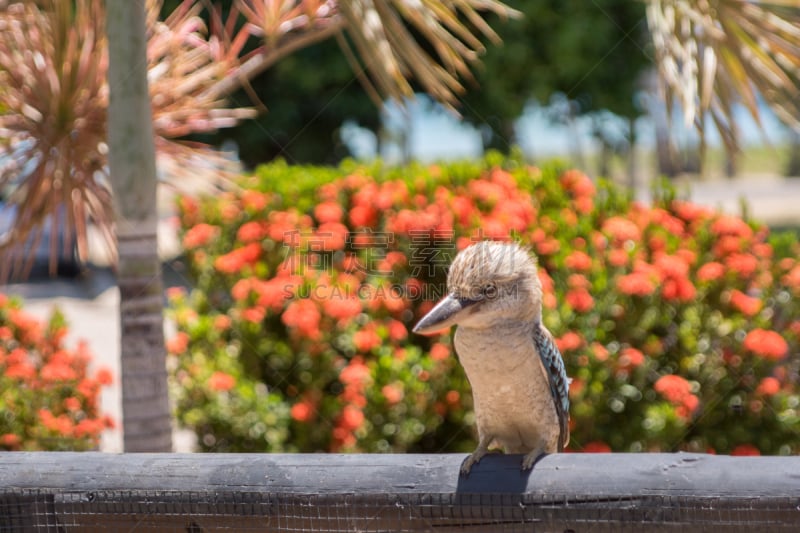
(145, 406)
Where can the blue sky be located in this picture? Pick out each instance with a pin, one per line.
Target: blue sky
(437, 134)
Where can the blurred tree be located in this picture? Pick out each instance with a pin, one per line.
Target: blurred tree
(297, 126)
(593, 53)
(715, 56)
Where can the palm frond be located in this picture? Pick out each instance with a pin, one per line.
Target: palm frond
(52, 127)
(383, 33)
(712, 56)
(432, 41)
(53, 119)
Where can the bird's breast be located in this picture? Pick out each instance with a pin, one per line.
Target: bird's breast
(511, 393)
(498, 365)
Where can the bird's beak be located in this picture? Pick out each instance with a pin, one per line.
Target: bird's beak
(445, 314)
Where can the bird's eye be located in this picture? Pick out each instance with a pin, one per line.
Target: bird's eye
(489, 291)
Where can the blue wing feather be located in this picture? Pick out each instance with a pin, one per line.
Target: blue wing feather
(557, 376)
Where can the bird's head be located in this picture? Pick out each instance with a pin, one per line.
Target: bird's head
(489, 283)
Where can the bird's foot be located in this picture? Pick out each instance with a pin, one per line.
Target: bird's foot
(531, 458)
(473, 459)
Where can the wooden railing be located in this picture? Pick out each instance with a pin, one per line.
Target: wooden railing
(51, 491)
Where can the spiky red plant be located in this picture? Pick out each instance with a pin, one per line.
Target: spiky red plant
(53, 102)
(53, 93)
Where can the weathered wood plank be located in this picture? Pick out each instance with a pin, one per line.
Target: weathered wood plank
(295, 492)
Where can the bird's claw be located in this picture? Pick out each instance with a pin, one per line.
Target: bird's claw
(471, 460)
(531, 458)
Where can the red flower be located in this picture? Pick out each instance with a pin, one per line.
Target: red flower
(72, 404)
(486, 191)
(548, 246)
(731, 225)
(680, 289)
(235, 260)
(745, 450)
(769, 386)
(569, 341)
(274, 292)
(199, 235)
(748, 305)
(672, 387)
(440, 351)
(397, 330)
(241, 289)
(792, 278)
(636, 284)
(578, 281)
(711, 271)
(342, 308)
(221, 382)
(175, 293)
(621, 229)
(584, 204)
(22, 370)
(104, 376)
(672, 266)
(328, 212)
(631, 358)
(254, 314)
(303, 316)
(61, 424)
(251, 231)
(618, 257)
(580, 300)
(678, 392)
(302, 411)
(10, 441)
(352, 418)
(600, 352)
(57, 371)
(356, 373)
(332, 236)
(254, 200)
(363, 216)
(578, 260)
(577, 183)
(366, 339)
(596, 447)
(689, 211)
(222, 322)
(393, 393)
(178, 344)
(767, 344)
(742, 264)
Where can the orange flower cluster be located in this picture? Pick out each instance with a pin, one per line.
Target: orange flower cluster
(315, 297)
(234, 261)
(747, 305)
(221, 381)
(303, 316)
(200, 235)
(678, 392)
(767, 344)
(355, 376)
(48, 387)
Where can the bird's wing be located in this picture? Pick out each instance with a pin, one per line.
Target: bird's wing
(557, 377)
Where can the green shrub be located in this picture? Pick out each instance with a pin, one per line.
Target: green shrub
(679, 325)
(48, 399)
